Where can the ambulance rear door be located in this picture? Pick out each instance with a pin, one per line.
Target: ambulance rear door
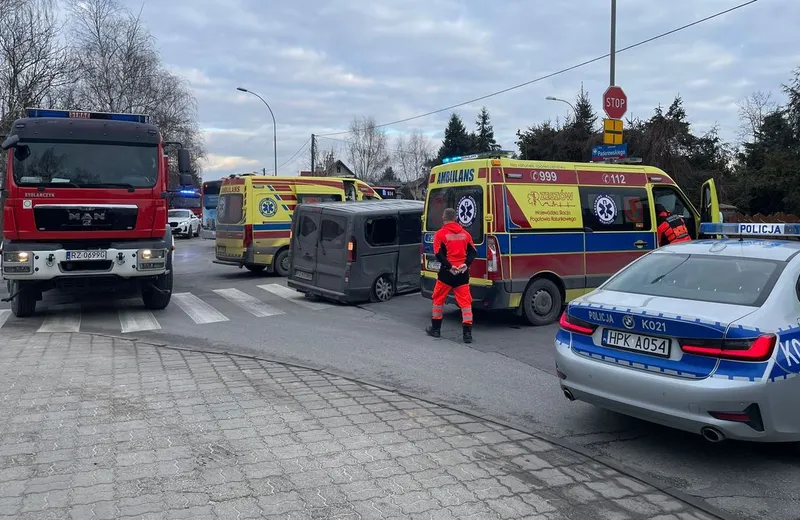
(305, 237)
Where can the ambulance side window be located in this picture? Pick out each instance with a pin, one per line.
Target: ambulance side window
(615, 209)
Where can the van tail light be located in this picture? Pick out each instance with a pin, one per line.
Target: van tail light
(573, 324)
(754, 349)
(248, 235)
(351, 250)
(492, 258)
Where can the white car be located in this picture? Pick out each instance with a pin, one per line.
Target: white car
(184, 222)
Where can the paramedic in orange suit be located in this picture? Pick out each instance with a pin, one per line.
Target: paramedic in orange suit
(455, 250)
(671, 228)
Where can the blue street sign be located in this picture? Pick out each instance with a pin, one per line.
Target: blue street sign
(609, 151)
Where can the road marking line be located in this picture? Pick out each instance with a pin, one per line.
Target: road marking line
(199, 311)
(4, 314)
(66, 321)
(249, 303)
(137, 320)
(294, 296)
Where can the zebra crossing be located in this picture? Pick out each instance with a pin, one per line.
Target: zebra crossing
(128, 316)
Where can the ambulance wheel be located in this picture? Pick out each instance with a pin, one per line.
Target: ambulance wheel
(541, 303)
(282, 263)
(382, 289)
(255, 268)
(24, 304)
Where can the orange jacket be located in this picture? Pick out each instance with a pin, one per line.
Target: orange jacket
(453, 247)
(671, 229)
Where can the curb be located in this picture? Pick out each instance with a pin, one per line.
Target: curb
(653, 482)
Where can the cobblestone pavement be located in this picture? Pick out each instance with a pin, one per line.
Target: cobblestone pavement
(99, 428)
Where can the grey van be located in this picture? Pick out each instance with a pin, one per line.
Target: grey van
(355, 252)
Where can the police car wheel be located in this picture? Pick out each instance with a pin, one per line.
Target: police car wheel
(542, 302)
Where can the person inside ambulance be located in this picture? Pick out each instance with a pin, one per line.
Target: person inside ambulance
(455, 250)
(671, 228)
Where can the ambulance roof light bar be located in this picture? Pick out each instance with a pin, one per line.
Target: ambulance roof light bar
(751, 229)
(483, 155)
(79, 114)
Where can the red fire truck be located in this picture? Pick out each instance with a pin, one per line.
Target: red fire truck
(85, 198)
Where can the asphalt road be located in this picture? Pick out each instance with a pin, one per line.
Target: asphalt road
(508, 373)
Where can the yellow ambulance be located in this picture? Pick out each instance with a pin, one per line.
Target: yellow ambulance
(254, 215)
(547, 232)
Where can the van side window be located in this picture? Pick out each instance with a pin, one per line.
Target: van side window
(332, 231)
(410, 226)
(307, 230)
(381, 231)
(615, 209)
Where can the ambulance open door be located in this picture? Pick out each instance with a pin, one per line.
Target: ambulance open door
(709, 204)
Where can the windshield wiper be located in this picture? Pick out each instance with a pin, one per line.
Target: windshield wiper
(130, 187)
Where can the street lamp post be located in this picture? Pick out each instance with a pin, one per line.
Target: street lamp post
(274, 126)
(551, 98)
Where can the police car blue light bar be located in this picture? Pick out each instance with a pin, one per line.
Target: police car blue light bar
(77, 114)
(768, 229)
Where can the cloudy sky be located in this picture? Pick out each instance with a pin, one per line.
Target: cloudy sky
(319, 63)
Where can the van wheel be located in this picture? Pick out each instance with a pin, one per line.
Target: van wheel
(282, 263)
(255, 268)
(542, 302)
(382, 289)
(24, 304)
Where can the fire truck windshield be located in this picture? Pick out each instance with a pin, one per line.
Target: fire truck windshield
(85, 165)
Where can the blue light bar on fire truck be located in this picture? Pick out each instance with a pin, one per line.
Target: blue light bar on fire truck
(761, 229)
(77, 114)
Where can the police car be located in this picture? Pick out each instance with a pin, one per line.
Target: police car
(701, 336)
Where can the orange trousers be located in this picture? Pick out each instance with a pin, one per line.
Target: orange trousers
(463, 299)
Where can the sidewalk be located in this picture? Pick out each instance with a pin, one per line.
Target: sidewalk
(101, 428)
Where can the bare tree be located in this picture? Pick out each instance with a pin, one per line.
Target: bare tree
(121, 71)
(412, 158)
(34, 62)
(367, 149)
(752, 111)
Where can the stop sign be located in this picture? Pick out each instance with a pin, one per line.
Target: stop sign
(615, 102)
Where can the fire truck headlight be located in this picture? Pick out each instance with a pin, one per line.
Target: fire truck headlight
(17, 262)
(146, 254)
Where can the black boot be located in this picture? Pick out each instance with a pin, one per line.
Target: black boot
(467, 333)
(435, 329)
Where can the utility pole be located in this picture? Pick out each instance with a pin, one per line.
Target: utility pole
(313, 152)
(613, 53)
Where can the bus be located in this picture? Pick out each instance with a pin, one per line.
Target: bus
(386, 192)
(209, 193)
(185, 198)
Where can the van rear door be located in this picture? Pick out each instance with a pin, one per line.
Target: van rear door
(332, 252)
(231, 212)
(304, 245)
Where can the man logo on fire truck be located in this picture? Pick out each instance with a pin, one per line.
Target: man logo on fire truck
(104, 177)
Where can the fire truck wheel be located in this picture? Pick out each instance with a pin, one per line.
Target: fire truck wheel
(24, 304)
(282, 264)
(541, 303)
(157, 300)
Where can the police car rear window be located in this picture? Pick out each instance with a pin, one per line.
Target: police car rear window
(704, 278)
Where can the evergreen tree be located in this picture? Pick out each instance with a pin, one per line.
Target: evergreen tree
(457, 141)
(585, 116)
(484, 133)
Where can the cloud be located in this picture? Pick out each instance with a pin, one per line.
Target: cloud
(319, 64)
